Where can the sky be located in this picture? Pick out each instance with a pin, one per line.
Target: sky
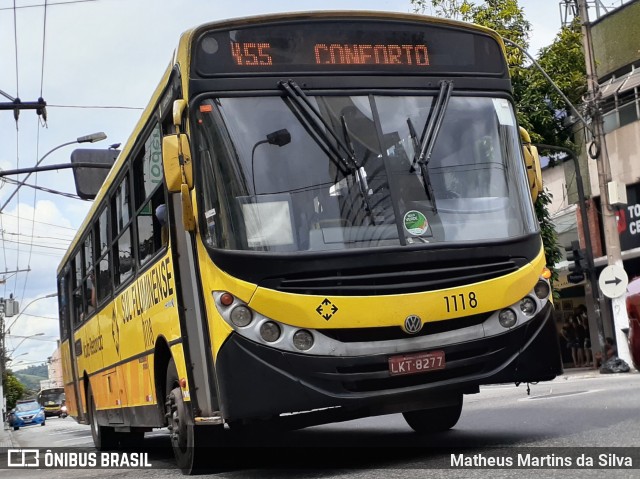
(96, 63)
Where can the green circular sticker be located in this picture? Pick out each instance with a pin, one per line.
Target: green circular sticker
(415, 223)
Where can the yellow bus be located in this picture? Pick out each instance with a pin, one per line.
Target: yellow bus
(319, 217)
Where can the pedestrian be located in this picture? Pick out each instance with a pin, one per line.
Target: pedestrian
(610, 351)
(583, 319)
(570, 334)
(581, 335)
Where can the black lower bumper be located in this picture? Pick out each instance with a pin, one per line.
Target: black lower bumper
(259, 382)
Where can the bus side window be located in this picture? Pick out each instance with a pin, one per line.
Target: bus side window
(148, 196)
(89, 283)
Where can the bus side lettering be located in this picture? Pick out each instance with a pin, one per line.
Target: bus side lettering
(148, 291)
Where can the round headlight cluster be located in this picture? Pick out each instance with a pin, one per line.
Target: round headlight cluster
(528, 306)
(542, 289)
(303, 340)
(507, 318)
(241, 316)
(270, 331)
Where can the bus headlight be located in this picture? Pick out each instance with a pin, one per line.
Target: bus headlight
(528, 306)
(542, 289)
(241, 316)
(507, 318)
(270, 331)
(303, 340)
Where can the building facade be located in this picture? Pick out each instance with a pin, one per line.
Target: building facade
(616, 46)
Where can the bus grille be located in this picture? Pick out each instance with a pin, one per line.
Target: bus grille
(378, 280)
(360, 335)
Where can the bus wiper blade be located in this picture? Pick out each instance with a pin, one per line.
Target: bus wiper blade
(359, 172)
(429, 136)
(324, 135)
(310, 120)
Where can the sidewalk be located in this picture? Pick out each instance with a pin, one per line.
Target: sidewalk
(6, 438)
(582, 373)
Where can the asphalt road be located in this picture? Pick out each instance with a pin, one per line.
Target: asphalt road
(561, 418)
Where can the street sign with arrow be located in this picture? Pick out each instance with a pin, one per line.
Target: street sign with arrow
(613, 281)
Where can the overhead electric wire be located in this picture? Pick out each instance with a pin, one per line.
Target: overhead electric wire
(44, 39)
(107, 107)
(15, 115)
(41, 253)
(40, 222)
(48, 246)
(53, 238)
(39, 316)
(15, 39)
(47, 190)
(38, 5)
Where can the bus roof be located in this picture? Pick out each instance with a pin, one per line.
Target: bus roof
(182, 56)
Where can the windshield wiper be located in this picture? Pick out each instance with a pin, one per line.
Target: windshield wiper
(424, 148)
(327, 139)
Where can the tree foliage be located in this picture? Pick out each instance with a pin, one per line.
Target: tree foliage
(13, 389)
(541, 110)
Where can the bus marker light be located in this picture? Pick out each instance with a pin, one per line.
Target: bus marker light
(546, 273)
(183, 383)
(542, 289)
(241, 316)
(303, 340)
(507, 318)
(528, 306)
(226, 299)
(270, 331)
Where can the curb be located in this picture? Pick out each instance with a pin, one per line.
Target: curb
(6, 438)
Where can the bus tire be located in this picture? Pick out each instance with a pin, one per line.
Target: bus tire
(104, 437)
(436, 419)
(181, 431)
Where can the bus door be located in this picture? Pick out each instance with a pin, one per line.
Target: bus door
(68, 352)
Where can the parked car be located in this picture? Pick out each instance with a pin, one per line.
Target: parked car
(27, 413)
(633, 310)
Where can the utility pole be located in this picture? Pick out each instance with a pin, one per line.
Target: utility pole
(3, 355)
(598, 151)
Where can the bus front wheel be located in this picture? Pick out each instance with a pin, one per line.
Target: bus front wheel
(436, 419)
(187, 441)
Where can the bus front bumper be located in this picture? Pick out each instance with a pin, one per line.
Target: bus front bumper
(260, 382)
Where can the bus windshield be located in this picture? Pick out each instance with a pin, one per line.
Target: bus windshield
(277, 179)
(51, 396)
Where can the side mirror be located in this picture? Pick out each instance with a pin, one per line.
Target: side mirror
(532, 162)
(175, 164)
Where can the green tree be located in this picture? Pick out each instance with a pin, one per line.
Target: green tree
(13, 389)
(540, 109)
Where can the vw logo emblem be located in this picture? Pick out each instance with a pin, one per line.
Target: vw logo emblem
(413, 324)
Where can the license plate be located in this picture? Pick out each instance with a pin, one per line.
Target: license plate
(416, 363)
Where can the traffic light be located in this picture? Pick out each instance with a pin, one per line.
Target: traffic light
(575, 255)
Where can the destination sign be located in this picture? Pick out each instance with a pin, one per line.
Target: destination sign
(352, 45)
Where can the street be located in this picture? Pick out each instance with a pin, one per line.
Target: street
(577, 411)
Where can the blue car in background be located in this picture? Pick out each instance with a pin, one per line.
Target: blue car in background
(27, 413)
